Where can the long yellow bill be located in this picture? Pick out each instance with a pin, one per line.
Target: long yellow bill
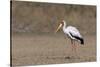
(58, 27)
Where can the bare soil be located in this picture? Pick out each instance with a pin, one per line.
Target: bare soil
(50, 49)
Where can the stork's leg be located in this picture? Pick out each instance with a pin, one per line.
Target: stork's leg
(75, 49)
(74, 52)
(72, 45)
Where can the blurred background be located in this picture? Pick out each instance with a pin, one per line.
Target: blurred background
(29, 17)
(34, 41)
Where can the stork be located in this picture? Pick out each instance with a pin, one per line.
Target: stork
(72, 32)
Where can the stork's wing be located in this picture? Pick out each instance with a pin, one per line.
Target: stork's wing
(74, 31)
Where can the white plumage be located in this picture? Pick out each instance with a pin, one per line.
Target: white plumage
(72, 32)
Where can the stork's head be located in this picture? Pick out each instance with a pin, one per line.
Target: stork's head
(61, 24)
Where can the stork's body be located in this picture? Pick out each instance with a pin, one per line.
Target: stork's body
(72, 32)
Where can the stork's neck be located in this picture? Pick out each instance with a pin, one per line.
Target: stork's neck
(64, 26)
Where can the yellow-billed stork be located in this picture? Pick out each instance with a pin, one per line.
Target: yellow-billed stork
(72, 32)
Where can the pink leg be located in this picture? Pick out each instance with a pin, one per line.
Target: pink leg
(73, 47)
(72, 44)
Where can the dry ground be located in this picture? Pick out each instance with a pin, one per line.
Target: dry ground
(50, 49)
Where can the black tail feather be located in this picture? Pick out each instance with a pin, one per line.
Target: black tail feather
(78, 38)
(82, 41)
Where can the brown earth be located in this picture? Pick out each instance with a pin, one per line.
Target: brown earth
(50, 49)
